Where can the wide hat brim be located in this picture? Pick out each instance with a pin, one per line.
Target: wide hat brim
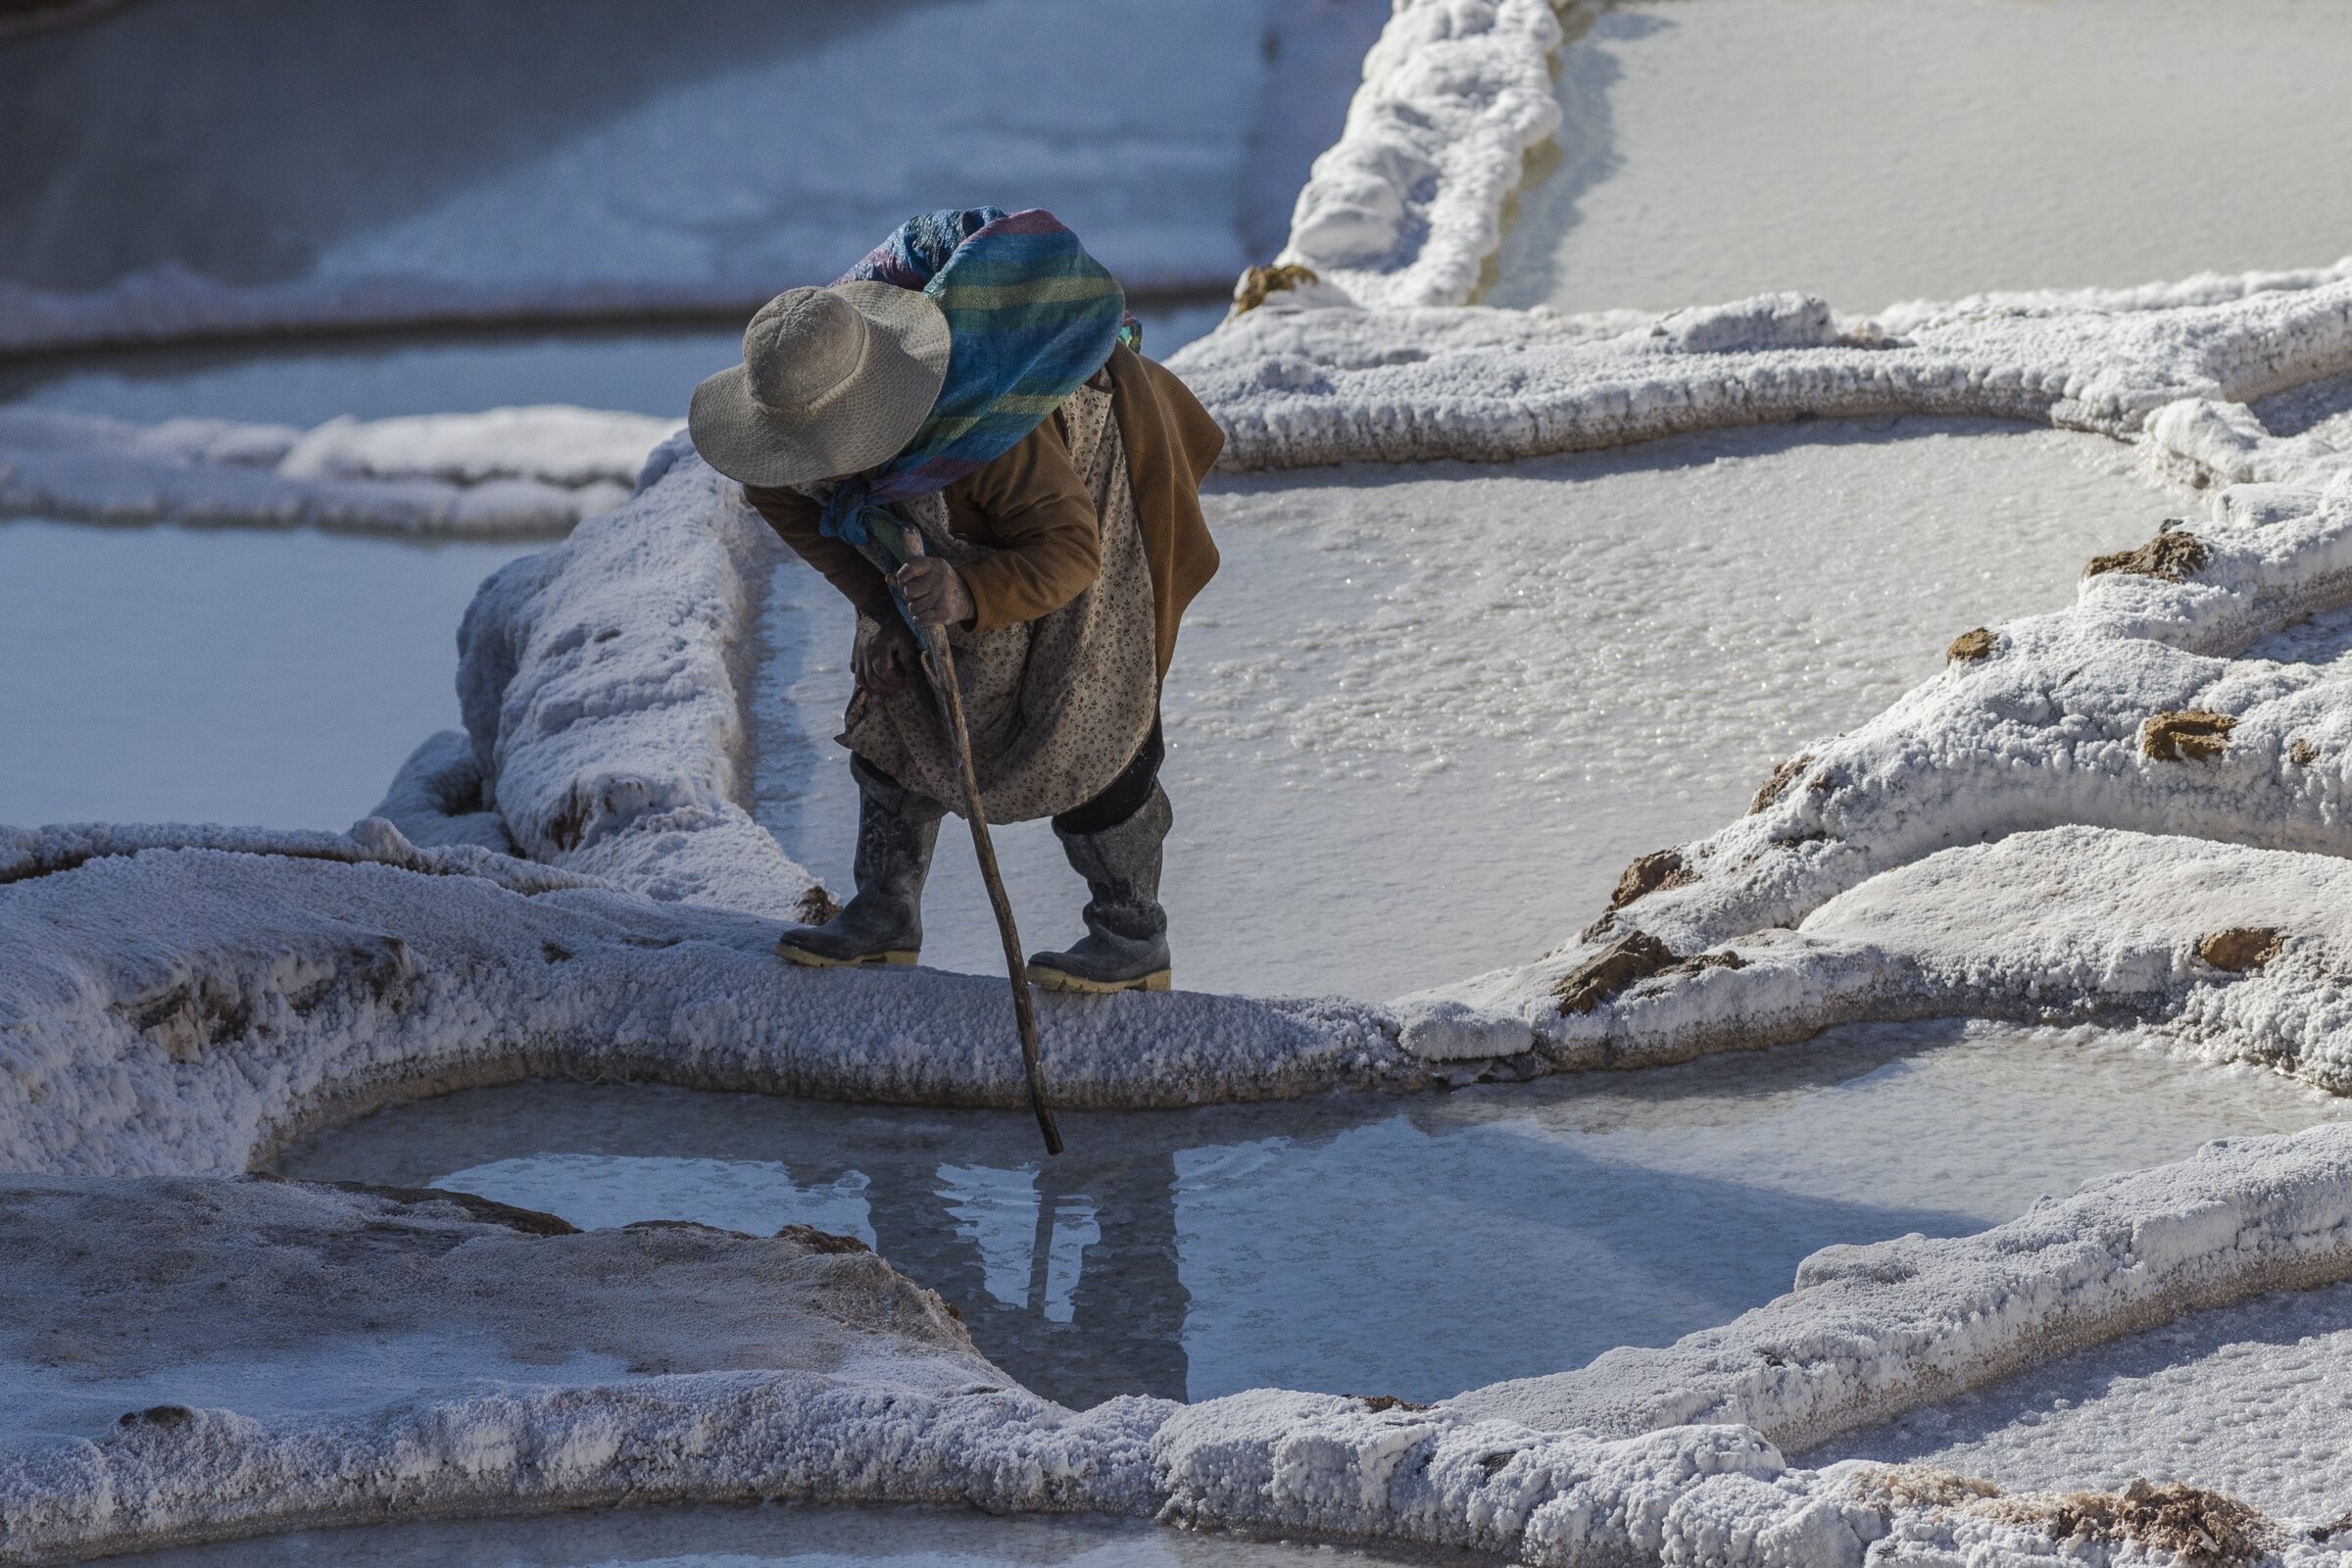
(869, 421)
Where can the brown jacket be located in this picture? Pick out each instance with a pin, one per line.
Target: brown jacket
(1031, 510)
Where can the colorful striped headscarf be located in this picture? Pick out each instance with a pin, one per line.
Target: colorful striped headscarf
(1031, 317)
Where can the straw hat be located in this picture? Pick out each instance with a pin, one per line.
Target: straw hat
(833, 380)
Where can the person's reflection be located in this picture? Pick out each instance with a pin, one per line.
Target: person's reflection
(1085, 1297)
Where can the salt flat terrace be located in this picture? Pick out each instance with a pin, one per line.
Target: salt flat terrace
(1877, 152)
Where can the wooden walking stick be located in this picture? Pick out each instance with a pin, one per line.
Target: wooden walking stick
(939, 664)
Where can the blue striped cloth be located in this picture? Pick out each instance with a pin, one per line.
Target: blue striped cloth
(1031, 317)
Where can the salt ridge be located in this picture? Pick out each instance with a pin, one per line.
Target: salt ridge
(507, 473)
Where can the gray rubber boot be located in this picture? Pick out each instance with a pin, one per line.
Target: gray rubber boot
(1126, 943)
(884, 923)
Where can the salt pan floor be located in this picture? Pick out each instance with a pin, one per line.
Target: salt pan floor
(279, 679)
(1872, 151)
(774, 1537)
(1425, 715)
(2250, 1399)
(636, 145)
(1363, 1244)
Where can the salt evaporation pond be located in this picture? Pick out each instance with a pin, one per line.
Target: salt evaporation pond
(1426, 715)
(164, 675)
(776, 1537)
(1362, 1244)
(623, 151)
(1872, 151)
(2250, 1399)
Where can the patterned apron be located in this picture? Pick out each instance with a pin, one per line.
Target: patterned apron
(1058, 705)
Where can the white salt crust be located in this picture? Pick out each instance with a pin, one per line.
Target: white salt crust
(1313, 377)
(1407, 206)
(502, 473)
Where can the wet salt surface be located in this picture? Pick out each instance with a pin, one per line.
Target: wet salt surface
(781, 1536)
(1425, 715)
(162, 675)
(1363, 1244)
(2250, 1399)
(1880, 150)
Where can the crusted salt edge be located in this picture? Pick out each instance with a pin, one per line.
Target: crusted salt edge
(505, 473)
(603, 680)
(2072, 922)
(164, 953)
(29, 852)
(1407, 206)
(1300, 380)
(187, 1009)
(1874, 1330)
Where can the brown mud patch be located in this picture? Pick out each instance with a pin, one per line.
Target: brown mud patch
(1971, 646)
(2240, 948)
(2173, 556)
(2183, 734)
(1781, 778)
(1649, 874)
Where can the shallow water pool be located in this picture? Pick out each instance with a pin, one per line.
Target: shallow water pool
(1880, 150)
(776, 1537)
(167, 674)
(1426, 715)
(1362, 1244)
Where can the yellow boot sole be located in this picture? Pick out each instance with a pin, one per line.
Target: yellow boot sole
(813, 960)
(1045, 979)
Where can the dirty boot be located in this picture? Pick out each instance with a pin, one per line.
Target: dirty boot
(884, 923)
(1126, 943)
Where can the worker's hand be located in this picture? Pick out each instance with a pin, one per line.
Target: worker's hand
(935, 592)
(889, 657)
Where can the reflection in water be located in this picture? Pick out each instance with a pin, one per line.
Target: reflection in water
(1362, 1243)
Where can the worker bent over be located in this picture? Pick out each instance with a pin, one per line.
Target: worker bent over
(973, 377)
